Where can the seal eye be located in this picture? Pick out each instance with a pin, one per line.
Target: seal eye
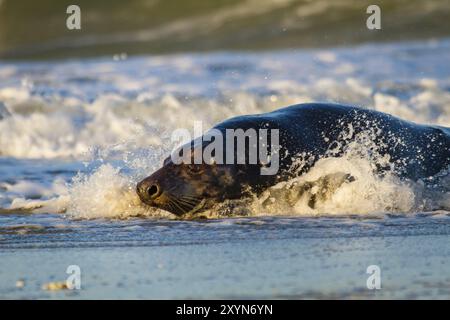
(195, 169)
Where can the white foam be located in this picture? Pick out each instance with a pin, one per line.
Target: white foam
(367, 194)
(106, 193)
(103, 110)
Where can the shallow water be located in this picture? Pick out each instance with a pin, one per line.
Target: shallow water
(77, 135)
(282, 257)
(111, 120)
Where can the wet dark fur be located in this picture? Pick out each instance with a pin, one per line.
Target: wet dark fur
(304, 128)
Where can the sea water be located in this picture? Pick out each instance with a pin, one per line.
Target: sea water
(77, 135)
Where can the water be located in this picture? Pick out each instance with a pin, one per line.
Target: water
(158, 26)
(282, 257)
(76, 136)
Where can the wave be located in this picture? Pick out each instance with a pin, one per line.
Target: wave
(143, 26)
(111, 121)
(325, 190)
(334, 186)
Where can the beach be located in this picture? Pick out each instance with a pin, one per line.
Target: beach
(79, 130)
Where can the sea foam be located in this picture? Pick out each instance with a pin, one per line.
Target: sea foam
(111, 121)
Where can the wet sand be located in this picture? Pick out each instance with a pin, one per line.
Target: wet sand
(283, 257)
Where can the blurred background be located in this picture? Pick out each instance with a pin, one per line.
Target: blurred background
(86, 114)
(37, 29)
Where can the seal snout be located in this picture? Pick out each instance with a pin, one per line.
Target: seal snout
(148, 190)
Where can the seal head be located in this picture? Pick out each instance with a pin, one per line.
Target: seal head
(187, 188)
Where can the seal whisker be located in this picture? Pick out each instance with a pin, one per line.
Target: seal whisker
(172, 197)
(170, 207)
(177, 204)
(193, 198)
(186, 206)
(187, 201)
(174, 201)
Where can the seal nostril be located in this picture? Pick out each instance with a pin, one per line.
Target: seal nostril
(153, 190)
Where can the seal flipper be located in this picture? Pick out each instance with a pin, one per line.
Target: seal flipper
(327, 185)
(290, 193)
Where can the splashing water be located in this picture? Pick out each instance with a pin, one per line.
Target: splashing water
(77, 136)
(348, 184)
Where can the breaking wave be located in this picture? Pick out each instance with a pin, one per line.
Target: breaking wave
(77, 136)
(344, 185)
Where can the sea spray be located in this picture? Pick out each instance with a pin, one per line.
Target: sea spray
(59, 110)
(106, 193)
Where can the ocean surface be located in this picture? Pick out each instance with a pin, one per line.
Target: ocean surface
(167, 26)
(77, 135)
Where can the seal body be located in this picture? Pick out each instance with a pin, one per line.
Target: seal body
(307, 132)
